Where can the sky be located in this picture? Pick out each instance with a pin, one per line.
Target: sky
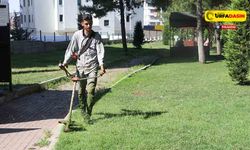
(14, 5)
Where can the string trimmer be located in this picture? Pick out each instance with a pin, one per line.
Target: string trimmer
(74, 79)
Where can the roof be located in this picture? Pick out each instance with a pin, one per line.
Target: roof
(182, 19)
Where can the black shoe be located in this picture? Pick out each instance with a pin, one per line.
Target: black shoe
(87, 119)
(89, 111)
(63, 121)
(90, 122)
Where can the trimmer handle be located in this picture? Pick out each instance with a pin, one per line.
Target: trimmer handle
(61, 66)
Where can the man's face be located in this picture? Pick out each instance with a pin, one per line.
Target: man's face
(87, 25)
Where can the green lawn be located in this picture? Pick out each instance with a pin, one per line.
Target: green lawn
(37, 67)
(176, 104)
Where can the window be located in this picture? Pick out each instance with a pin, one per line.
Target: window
(24, 18)
(127, 18)
(21, 18)
(153, 10)
(106, 22)
(61, 18)
(29, 18)
(28, 2)
(152, 23)
(79, 2)
(23, 3)
(153, 17)
(60, 2)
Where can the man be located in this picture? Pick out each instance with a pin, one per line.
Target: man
(86, 47)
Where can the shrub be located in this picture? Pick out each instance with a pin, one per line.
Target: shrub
(237, 46)
(18, 33)
(138, 35)
(166, 35)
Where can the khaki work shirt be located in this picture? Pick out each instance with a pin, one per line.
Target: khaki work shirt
(91, 58)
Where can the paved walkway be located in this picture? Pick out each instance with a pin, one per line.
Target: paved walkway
(24, 120)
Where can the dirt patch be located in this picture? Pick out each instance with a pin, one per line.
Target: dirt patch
(139, 93)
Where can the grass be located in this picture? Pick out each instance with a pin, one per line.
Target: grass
(37, 67)
(45, 140)
(176, 104)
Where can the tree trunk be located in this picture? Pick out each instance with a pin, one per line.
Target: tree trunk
(218, 40)
(124, 41)
(201, 52)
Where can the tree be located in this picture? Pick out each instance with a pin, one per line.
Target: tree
(166, 34)
(160, 4)
(181, 6)
(100, 8)
(193, 7)
(237, 45)
(201, 53)
(138, 35)
(18, 33)
(217, 4)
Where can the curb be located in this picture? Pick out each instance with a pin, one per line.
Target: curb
(38, 87)
(56, 133)
(29, 89)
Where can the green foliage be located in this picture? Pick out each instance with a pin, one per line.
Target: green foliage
(206, 34)
(100, 8)
(237, 46)
(160, 4)
(190, 6)
(138, 35)
(18, 33)
(45, 140)
(166, 34)
(181, 6)
(42, 142)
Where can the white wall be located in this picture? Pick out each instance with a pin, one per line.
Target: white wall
(138, 16)
(4, 18)
(148, 13)
(44, 16)
(28, 11)
(70, 15)
(60, 11)
(4, 1)
(69, 9)
(110, 28)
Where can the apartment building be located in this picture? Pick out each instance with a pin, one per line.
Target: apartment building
(60, 16)
(4, 1)
(4, 12)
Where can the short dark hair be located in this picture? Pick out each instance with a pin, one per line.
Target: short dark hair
(86, 17)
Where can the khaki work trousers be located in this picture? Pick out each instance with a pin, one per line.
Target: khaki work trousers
(86, 91)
